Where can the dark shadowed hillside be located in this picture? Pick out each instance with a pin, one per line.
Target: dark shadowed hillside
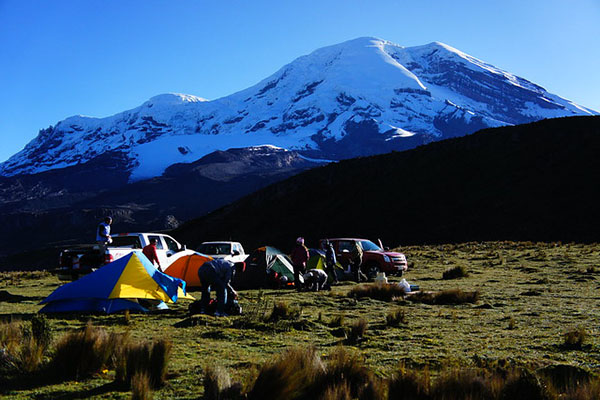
(41, 214)
(536, 182)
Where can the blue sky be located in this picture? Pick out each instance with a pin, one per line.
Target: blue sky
(61, 58)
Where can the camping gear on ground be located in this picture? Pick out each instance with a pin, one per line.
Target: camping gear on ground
(404, 285)
(117, 286)
(231, 308)
(381, 278)
(261, 263)
(186, 268)
(407, 286)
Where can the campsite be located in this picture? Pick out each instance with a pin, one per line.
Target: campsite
(530, 295)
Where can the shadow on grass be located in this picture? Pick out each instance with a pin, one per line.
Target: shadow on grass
(42, 379)
(8, 297)
(83, 394)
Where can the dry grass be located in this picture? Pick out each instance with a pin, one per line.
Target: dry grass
(337, 321)
(150, 358)
(409, 385)
(356, 331)
(288, 377)
(21, 351)
(141, 388)
(575, 338)
(455, 273)
(462, 384)
(283, 311)
(218, 385)
(377, 291)
(301, 374)
(396, 318)
(82, 353)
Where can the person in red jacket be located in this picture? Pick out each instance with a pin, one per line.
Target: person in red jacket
(150, 252)
(299, 258)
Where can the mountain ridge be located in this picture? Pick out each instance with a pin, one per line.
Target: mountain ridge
(531, 182)
(360, 97)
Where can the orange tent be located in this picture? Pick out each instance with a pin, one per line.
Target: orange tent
(186, 268)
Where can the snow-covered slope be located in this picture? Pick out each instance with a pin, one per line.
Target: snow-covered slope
(364, 96)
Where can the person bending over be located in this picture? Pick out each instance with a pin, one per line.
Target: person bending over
(315, 280)
(216, 274)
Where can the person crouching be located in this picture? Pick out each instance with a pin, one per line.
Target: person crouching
(315, 280)
(216, 274)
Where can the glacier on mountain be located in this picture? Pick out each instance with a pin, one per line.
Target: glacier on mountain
(360, 97)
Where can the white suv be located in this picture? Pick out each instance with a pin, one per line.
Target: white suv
(231, 251)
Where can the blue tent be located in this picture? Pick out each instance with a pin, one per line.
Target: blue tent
(115, 287)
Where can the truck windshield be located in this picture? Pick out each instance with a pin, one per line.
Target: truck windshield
(215, 249)
(367, 245)
(132, 242)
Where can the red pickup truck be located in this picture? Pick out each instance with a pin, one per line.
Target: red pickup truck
(375, 259)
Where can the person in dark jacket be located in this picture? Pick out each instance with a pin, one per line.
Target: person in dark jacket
(299, 258)
(316, 279)
(330, 261)
(216, 274)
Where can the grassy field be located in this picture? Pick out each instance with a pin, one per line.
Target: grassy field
(531, 294)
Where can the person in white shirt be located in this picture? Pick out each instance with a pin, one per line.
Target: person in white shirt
(103, 234)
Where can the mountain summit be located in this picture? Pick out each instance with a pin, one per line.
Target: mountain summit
(364, 96)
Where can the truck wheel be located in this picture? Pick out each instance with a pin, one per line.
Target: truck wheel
(371, 270)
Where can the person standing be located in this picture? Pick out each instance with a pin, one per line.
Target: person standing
(299, 258)
(356, 256)
(103, 237)
(216, 274)
(330, 261)
(150, 252)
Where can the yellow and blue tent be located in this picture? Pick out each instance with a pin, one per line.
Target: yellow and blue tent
(115, 287)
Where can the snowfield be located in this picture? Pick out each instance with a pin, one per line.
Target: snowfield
(359, 97)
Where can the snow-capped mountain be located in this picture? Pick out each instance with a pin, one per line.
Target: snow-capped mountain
(360, 97)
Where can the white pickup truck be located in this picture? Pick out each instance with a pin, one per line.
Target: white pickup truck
(83, 259)
(230, 251)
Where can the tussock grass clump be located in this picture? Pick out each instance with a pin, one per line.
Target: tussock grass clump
(410, 385)
(289, 376)
(218, 386)
(445, 297)
(151, 358)
(462, 384)
(85, 352)
(396, 317)
(301, 374)
(523, 385)
(455, 273)
(337, 321)
(283, 311)
(347, 375)
(21, 349)
(377, 291)
(356, 330)
(566, 378)
(575, 338)
(141, 389)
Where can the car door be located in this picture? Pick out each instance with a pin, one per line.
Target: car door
(172, 249)
(240, 256)
(161, 250)
(343, 251)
